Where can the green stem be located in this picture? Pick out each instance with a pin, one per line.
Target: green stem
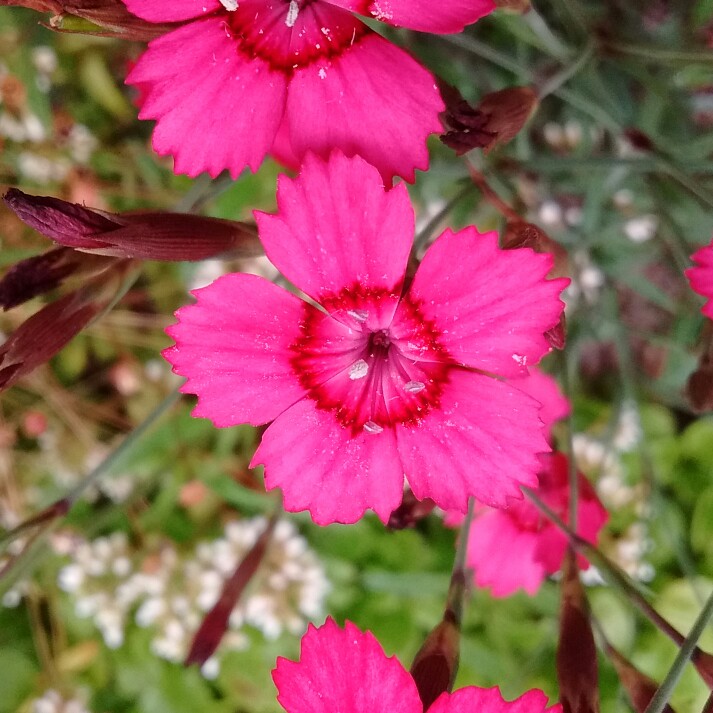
(658, 54)
(687, 650)
(566, 73)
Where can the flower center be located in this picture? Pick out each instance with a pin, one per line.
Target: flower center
(369, 372)
(290, 34)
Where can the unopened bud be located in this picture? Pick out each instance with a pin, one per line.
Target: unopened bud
(576, 653)
(435, 666)
(40, 337)
(146, 236)
(410, 512)
(215, 623)
(43, 273)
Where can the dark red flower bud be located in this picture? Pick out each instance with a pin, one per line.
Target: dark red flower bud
(40, 337)
(42, 273)
(146, 236)
(577, 671)
(435, 666)
(496, 120)
(215, 623)
(410, 512)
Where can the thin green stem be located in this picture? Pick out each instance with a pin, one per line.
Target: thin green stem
(686, 652)
(566, 73)
(659, 54)
(457, 587)
(124, 447)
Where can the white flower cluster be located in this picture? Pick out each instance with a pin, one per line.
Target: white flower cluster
(170, 592)
(603, 462)
(54, 702)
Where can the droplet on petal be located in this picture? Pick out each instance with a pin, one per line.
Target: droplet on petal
(358, 370)
(373, 428)
(230, 5)
(414, 387)
(359, 314)
(292, 13)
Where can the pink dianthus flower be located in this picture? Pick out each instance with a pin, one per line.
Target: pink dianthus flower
(517, 547)
(240, 79)
(375, 382)
(346, 670)
(701, 277)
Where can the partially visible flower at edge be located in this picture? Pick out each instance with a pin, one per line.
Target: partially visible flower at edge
(517, 548)
(701, 277)
(347, 670)
(240, 80)
(375, 384)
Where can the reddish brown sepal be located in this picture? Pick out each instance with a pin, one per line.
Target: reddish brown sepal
(215, 623)
(41, 336)
(496, 120)
(169, 237)
(577, 672)
(42, 273)
(410, 512)
(639, 687)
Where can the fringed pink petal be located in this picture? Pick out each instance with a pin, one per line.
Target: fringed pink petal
(320, 466)
(338, 228)
(373, 100)
(491, 306)
(544, 388)
(233, 346)
(490, 700)
(481, 441)
(215, 109)
(344, 670)
(425, 15)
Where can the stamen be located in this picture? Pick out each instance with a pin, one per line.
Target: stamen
(230, 5)
(358, 370)
(292, 13)
(373, 428)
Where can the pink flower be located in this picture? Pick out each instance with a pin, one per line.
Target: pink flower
(374, 384)
(701, 277)
(517, 548)
(346, 670)
(237, 75)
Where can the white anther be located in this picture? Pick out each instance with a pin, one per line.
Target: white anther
(414, 387)
(373, 428)
(292, 13)
(358, 370)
